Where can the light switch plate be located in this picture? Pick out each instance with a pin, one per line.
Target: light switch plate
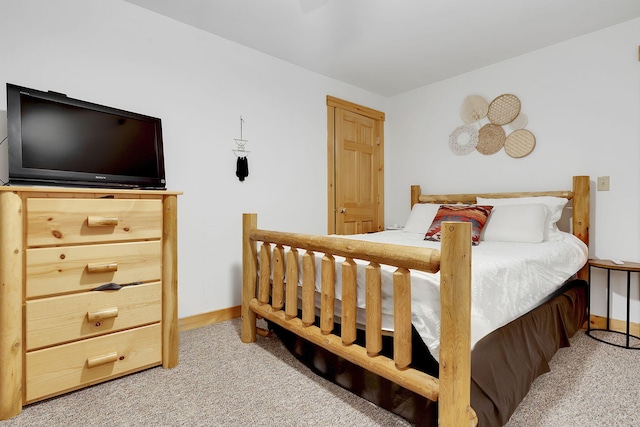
(603, 183)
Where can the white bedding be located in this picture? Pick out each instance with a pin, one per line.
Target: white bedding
(508, 280)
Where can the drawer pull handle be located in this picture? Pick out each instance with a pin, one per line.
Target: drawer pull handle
(102, 360)
(102, 267)
(102, 221)
(107, 313)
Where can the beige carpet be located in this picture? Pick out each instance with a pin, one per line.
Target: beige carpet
(591, 384)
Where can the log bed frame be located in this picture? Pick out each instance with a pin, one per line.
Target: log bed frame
(265, 295)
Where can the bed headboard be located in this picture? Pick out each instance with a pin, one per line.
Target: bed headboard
(578, 196)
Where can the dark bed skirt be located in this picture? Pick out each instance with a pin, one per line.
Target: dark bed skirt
(503, 364)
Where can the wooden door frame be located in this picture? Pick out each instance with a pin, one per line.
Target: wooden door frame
(378, 116)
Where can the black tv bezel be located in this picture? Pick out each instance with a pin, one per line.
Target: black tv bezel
(20, 175)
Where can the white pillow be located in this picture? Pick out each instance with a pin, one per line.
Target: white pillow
(554, 206)
(421, 217)
(516, 223)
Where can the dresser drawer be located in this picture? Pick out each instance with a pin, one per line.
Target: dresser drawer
(55, 320)
(71, 221)
(58, 270)
(70, 366)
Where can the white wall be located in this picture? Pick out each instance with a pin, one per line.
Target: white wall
(582, 99)
(114, 53)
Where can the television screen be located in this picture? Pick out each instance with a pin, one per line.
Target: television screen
(54, 139)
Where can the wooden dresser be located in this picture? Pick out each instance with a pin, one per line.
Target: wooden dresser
(57, 331)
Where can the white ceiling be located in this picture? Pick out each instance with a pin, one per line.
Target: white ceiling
(391, 46)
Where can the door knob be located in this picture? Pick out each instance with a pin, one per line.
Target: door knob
(343, 210)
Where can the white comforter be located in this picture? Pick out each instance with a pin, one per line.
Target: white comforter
(508, 280)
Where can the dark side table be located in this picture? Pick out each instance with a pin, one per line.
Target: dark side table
(629, 267)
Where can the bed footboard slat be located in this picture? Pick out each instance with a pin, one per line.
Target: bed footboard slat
(328, 293)
(373, 310)
(349, 301)
(277, 298)
(291, 305)
(264, 290)
(308, 288)
(402, 318)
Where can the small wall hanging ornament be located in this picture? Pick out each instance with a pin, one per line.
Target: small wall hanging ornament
(519, 143)
(463, 140)
(490, 139)
(474, 108)
(504, 109)
(242, 164)
(519, 122)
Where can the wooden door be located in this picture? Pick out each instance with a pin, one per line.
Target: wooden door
(356, 173)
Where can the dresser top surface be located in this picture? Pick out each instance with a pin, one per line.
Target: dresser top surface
(85, 190)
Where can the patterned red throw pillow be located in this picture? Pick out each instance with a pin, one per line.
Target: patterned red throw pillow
(475, 214)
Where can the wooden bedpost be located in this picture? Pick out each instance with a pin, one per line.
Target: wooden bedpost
(415, 194)
(249, 272)
(454, 401)
(581, 209)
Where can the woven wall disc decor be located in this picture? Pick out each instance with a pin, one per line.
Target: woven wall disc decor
(519, 122)
(463, 140)
(504, 109)
(519, 143)
(490, 139)
(474, 108)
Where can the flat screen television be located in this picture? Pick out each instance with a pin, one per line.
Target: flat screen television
(57, 140)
